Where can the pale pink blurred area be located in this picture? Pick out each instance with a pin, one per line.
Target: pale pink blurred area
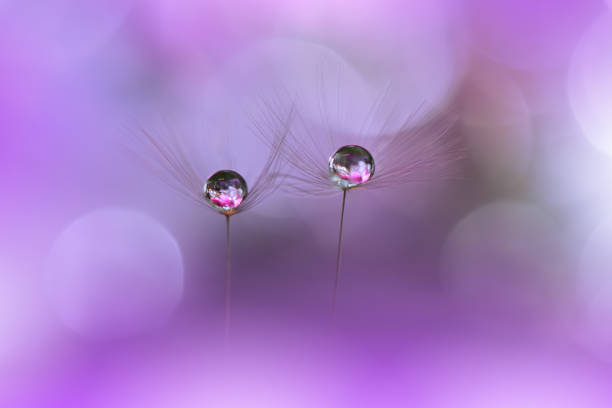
(497, 123)
(488, 287)
(484, 375)
(530, 35)
(511, 251)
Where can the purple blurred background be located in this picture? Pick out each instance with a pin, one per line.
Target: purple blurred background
(491, 290)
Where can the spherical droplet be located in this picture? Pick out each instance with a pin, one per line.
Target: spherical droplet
(351, 166)
(225, 190)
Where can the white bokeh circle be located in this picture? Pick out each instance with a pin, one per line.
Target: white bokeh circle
(590, 84)
(114, 273)
(568, 171)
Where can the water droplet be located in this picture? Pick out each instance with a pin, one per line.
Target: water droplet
(225, 190)
(351, 166)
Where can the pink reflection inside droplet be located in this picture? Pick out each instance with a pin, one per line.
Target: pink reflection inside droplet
(358, 173)
(228, 198)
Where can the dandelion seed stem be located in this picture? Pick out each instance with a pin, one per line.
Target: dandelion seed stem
(338, 254)
(228, 281)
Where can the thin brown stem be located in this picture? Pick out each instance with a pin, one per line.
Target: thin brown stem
(338, 254)
(228, 280)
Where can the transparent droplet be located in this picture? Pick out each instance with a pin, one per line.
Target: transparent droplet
(225, 190)
(351, 166)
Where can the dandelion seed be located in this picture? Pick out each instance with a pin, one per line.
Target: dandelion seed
(225, 191)
(414, 153)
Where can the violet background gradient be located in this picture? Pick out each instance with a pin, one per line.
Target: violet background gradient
(491, 290)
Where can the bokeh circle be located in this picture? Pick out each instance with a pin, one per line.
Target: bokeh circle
(113, 273)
